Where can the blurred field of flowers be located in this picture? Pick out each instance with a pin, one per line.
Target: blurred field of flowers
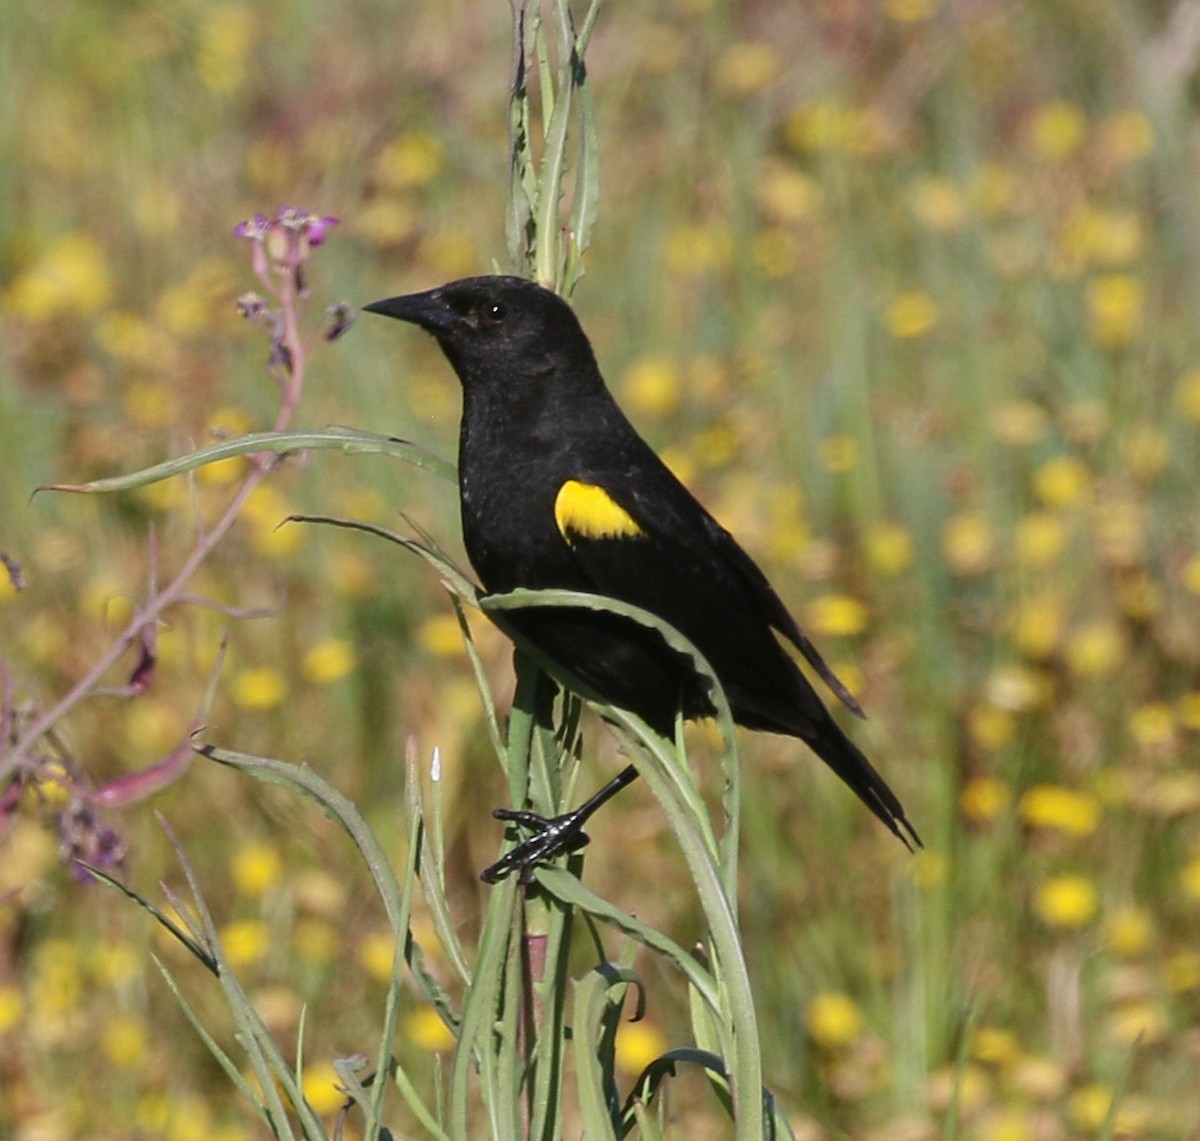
(905, 289)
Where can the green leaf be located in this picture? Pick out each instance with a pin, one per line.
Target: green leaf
(349, 440)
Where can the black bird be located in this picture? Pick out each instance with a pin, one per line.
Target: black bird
(559, 491)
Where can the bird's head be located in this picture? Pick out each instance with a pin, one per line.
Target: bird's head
(497, 330)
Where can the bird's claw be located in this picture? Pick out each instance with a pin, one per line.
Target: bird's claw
(550, 837)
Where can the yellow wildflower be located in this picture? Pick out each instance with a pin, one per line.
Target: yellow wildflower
(1187, 396)
(937, 204)
(226, 39)
(890, 548)
(1114, 305)
(424, 1028)
(969, 543)
(1057, 130)
(1019, 423)
(991, 727)
(410, 160)
(328, 661)
(125, 1041)
(786, 195)
(1126, 136)
(376, 950)
(260, 688)
(256, 868)
(245, 941)
(322, 1087)
(441, 635)
(652, 387)
(910, 11)
(69, 279)
(746, 67)
(1068, 901)
(1040, 538)
(1128, 932)
(837, 616)
(1182, 971)
(638, 1044)
(911, 315)
(995, 1046)
(1016, 688)
(1152, 724)
(1037, 628)
(833, 1020)
(983, 798)
(1062, 481)
(1096, 649)
(1062, 809)
(12, 1009)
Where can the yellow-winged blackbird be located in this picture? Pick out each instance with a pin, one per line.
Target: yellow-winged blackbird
(559, 491)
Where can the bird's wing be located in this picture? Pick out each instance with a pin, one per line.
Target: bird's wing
(777, 614)
(671, 555)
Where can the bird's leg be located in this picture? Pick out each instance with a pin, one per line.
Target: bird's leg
(551, 836)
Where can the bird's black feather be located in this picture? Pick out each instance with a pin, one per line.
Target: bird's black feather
(537, 416)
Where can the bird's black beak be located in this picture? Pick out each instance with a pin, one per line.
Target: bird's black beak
(428, 310)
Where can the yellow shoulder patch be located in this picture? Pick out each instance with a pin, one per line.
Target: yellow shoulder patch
(585, 511)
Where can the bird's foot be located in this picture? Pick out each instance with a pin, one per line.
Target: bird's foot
(550, 836)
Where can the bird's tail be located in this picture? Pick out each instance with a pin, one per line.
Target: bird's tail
(847, 760)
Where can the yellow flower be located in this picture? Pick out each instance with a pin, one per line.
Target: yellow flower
(1057, 130)
(1114, 305)
(441, 635)
(1094, 236)
(938, 204)
(1126, 136)
(638, 1045)
(328, 661)
(1143, 1022)
(698, 249)
(786, 195)
(322, 1087)
(1011, 1123)
(838, 454)
(409, 161)
(69, 279)
(968, 543)
(910, 11)
(995, 1046)
(776, 252)
(991, 727)
(837, 616)
(890, 548)
(256, 868)
(911, 315)
(1187, 396)
(652, 387)
(1068, 901)
(317, 941)
(833, 1020)
(1040, 538)
(12, 1009)
(1037, 628)
(386, 221)
(1016, 688)
(1088, 1107)
(260, 688)
(1065, 810)
(424, 1028)
(125, 1041)
(245, 941)
(1187, 709)
(1096, 649)
(1062, 481)
(376, 950)
(226, 39)
(1182, 971)
(1189, 878)
(993, 188)
(983, 798)
(1019, 423)
(1129, 931)
(745, 68)
(1152, 724)
(930, 869)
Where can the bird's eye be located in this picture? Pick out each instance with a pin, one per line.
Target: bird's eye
(496, 311)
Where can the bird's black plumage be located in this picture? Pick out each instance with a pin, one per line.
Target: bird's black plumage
(559, 491)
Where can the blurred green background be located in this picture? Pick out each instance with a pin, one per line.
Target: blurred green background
(905, 289)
